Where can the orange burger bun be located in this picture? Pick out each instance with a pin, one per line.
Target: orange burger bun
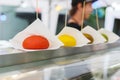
(35, 42)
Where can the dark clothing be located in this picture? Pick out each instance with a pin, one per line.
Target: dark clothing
(74, 25)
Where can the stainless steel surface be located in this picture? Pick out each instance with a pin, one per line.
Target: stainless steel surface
(37, 56)
(75, 64)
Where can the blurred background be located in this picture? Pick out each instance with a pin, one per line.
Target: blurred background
(15, 15)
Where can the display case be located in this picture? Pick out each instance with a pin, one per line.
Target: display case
(90, 62)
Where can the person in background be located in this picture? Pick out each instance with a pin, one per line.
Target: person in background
(76, 13)
(76, 21)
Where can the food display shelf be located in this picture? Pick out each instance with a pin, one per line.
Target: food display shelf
(22, 57)
(99, 61)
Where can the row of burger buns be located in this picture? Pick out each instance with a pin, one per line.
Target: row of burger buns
(88, 35)
(36, 37)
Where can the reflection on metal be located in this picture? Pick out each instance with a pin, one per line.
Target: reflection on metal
(116, 65)
(28, 57)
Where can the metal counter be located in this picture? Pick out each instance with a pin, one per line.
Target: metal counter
(74, 61)
(34, 56)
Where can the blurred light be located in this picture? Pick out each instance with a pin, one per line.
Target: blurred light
(95, 5)
(24, 5)
(58, 8)
(15, 76)
(100, 12)
(32, 72)
(38, 10)
(3, 17)
(116, 6)
(116, 65)
(99, 4)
